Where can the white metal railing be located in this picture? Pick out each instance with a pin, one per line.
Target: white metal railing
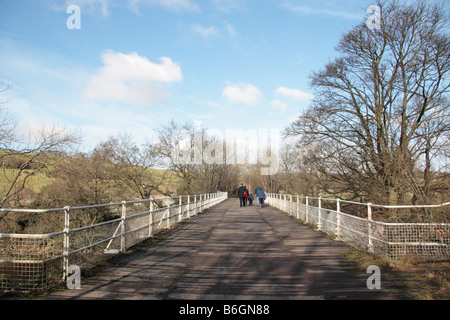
(30, 262)
(390, 240)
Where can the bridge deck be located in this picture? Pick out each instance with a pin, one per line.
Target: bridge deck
(232, 253)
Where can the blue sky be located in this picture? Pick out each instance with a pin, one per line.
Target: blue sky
(137, 64)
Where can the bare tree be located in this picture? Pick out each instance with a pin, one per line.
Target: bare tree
(22, 157)
(132, 165)
(32, 154)
(189, 152)
(375, 100)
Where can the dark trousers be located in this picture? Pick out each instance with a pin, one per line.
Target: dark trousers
(243, 201)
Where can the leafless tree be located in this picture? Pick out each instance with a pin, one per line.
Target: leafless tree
(382, 106)
(132, 165)
(22, 157)
(189, 152)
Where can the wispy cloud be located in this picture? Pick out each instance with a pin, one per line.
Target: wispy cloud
(325, 8)
(227, 6)
(172, 5)
(205, 32)
(288, 98)
(231, 30)
(104, 7)
(293, 94)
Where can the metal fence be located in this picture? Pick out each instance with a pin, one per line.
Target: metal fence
(430, 241)
(37, 262)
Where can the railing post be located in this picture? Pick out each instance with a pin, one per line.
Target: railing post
(195, 204)
(66, 242)
(298, 207)
(123, 227)
(319, 225)
(279, 206)
(290, 204)
(168, 213)
(369, 217)
(201, 202)
(150, 219)
(180, 201)
(307, 210)
(338, 218)
(188, 206)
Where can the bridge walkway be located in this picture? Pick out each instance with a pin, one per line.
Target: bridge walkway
(232, 253)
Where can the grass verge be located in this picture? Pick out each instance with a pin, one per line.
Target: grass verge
(424, 280)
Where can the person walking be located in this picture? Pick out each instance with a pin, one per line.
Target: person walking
(241, 194)
(256, 194)
(261, 197)
(246, 195)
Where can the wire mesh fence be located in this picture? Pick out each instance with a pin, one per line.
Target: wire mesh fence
(37, 262)
(30, 262)
(429, 241)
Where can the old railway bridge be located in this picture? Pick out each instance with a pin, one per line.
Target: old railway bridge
(207, 247)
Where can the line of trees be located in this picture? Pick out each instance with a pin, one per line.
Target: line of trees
(46, 170)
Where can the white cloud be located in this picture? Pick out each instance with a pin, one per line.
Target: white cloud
(132, 79)
(205, 32)
(293, 94)
(242, 94)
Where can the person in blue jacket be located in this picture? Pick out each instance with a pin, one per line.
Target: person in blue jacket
(261, 196)
(256, 194)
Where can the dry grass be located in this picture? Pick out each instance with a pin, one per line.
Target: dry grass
(424, 280)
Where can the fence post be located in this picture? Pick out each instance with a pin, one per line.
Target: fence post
(290, 205)
(307, 210)
(338, 218)
(202, 202)
(319, 225)
(369, 217)
(122, 226)
(298, 209)
(66, 242)
(195, 204)
(180, 201)
(168, 213)
(188, 206)
(150, 219)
